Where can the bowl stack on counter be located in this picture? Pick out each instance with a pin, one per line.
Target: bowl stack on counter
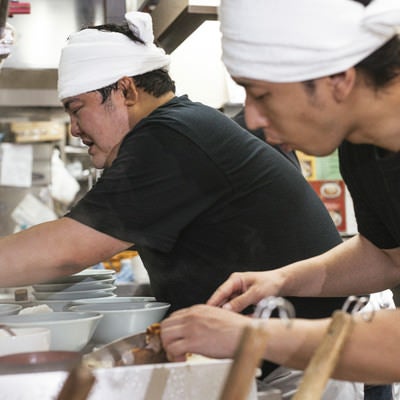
(88, 284)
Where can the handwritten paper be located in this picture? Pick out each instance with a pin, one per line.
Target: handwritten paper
(16, 164)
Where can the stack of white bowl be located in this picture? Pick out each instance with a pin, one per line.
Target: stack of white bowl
(122, 316)
(88, 284)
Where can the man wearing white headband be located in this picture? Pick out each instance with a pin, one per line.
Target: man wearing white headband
(197, 195)
(319, 75)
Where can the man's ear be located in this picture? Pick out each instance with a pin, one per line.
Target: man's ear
(129, 90)
(342, 84)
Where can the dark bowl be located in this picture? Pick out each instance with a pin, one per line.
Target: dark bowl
(39, 361)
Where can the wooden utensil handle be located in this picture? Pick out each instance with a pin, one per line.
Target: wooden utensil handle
(325, 358)
(78, 384)
(247, 358)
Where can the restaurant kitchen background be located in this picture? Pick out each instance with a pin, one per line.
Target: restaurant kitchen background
(43, 169)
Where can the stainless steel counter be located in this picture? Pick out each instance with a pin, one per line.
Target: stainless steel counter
(183, 381)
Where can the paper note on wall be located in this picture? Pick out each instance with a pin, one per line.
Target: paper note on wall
(16, 165)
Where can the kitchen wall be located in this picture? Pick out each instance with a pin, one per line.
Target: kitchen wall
(198, 71)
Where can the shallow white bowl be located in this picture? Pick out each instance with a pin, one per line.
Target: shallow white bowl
(9, 308)
(61, 305)
(70, 331)
(82, 294)
(87, 275)
(115, 299)
(25, 340)
(73, 286)
(123, 319)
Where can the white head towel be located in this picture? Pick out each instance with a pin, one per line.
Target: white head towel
(93, 59)
(298, 40)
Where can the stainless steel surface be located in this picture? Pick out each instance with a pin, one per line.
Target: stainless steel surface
(29, 75)
(175, 20)
(113, 352)
(185, 381)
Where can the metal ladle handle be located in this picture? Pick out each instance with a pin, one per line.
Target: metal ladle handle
(251, 348)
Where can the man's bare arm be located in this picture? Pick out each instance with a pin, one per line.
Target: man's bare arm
(53, 249)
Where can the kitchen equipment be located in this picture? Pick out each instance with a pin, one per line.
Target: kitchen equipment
(70, 331)
(185, 381)
(78, 384)
(123, 319)
(142, 348)
(327, 354)
(250, 350)
(246, 360)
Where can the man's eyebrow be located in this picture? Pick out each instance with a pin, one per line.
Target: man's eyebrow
(67, 104)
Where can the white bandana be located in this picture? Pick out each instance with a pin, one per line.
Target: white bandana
(298, 40)
(93, 59)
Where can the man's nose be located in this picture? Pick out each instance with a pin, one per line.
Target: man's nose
(255, 119)
(74, 129)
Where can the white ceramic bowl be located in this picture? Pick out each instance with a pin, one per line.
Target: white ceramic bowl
(25, 340)
(87, 275)
(70, 331)
(73, 286)
(92, 293)
(123, 319)
(61, 305)
(9, 308)
(115, 299)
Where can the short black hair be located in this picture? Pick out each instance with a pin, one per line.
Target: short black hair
(383, 65)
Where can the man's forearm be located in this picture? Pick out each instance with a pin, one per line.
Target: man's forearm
(53, 249)
(370, 353)
(354, 267)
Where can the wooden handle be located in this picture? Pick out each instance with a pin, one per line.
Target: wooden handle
(246, 360)
(78, 384)
(325, 358)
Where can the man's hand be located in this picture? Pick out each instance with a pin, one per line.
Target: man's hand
(201, 329)
(243, 289)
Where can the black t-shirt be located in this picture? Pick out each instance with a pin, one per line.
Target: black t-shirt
(372, 176)
(291, 155)
(201, 198)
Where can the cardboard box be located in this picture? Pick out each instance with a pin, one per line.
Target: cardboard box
(40, 131)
